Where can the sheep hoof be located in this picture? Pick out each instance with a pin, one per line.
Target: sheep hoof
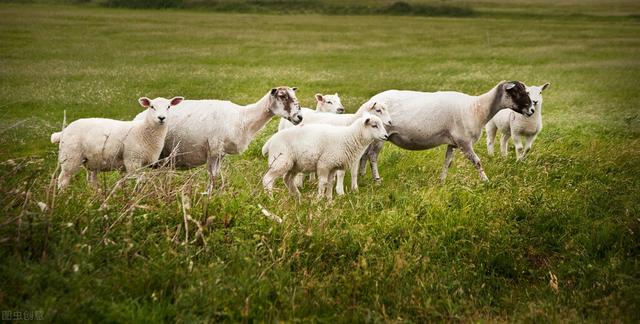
(377, 180)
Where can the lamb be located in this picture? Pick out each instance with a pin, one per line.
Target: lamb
(205, 131)
(369, 107)
(324, 104)
(102, 144)
(424, 120)
(323, 149)
(517, 126)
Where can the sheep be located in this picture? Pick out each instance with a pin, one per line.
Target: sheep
(205, 131)
(102, 144)
(319, 148)
(324, 104)
(369, 107)
(517, 126)
(424, 120)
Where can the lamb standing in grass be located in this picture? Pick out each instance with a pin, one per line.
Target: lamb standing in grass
(102, 144)
(369, 107)
(518, 126)
(205, 131)
(319, 148)
(324, 104)
(424, 120)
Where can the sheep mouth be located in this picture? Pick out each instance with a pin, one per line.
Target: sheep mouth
(295, 121)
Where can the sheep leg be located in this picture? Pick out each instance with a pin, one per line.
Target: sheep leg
(491, 136)
(340, 182)
(214, 162)
(68, 169)
(289, 181)
(298, 180)
(92, 178)
(448, 158)
(517, 140)
(527, 145)
(376, 147)
(354, 176)
(278, 167)
(363, 160)
(467, 149)
(504, 144)
(329, 187)
(312, 176)
(323, 180)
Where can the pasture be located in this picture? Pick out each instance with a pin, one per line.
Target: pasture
(410, 249)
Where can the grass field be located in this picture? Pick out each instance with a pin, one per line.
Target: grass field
(409, 250)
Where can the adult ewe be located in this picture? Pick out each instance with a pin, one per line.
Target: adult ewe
(319, 148)
(324, 104)
(517, 126)
(424, 120)
(102, 144)
(204, 131)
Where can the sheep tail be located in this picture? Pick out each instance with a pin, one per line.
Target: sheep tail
(55, 137)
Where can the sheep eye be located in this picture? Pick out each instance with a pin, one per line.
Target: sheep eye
(528, 93)
(374, 126)
(378, 110)
(169, 107)
(329, 102)
(152, 107)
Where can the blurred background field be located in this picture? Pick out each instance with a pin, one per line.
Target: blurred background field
(408, 250)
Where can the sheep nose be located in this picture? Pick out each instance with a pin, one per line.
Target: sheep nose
(162, 118)
(535, 102)
(340, 110)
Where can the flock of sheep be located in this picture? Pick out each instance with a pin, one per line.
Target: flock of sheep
(325, 142)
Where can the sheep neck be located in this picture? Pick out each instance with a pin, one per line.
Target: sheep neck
(355, 142)
(255, 116)
(487, 105)
(149, 130)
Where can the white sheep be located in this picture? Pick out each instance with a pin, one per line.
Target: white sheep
(319, 148)
(424, 120)
(102, 144)
(518, 126)
(369, 107)
(324, 104)
(204, 131)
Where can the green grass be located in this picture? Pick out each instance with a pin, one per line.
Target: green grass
(408, 250)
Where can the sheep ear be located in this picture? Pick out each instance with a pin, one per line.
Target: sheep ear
(545, 86)
(509, 85)
(367, 121)
(176, 100)
(294, 89)
(273, 91)
(144, 102)
(336, 94)
(373, 106)
(319, 97)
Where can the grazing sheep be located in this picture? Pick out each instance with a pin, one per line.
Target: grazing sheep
(424, 120)
(517, 126)
(323, 149)
(324, 104)
(102, 144)
(369, 107)
(204, 131)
